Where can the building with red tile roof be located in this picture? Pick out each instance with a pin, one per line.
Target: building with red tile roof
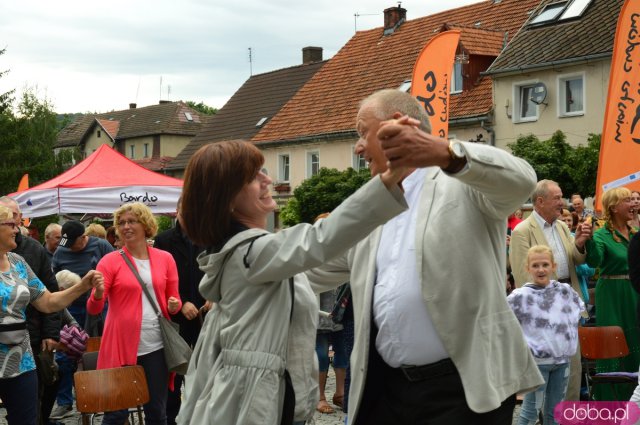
(256, 102)
(316, 128)
(154, 134)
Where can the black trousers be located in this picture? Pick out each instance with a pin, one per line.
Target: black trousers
(390, 398)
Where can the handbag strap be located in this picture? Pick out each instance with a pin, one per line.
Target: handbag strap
(144, 287)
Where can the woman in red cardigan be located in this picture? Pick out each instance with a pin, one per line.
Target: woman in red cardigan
(131, 331)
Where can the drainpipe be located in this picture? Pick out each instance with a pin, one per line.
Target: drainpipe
(492, 133)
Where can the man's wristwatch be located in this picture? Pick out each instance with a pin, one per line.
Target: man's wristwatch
(455, 150)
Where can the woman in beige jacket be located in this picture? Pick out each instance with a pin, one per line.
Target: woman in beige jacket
(256, 347)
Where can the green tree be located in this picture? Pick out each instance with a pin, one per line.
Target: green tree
(573, 168)
(584, 165)
(322, 193)
(201, 107)
(5, 98)
(27, 139)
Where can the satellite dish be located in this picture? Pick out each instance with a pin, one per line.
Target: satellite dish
(539, 94)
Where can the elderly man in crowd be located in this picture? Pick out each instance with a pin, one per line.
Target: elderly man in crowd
(578, 206)
(52, 235)
(436, 342)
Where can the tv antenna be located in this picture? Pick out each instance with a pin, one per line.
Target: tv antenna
(357, 15)
(250, 63)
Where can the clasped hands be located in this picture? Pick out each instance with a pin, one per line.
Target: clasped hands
(406, 145)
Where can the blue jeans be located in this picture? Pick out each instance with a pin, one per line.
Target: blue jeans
(20, 398)
(340, 358)
(556, 377)
(66, 369)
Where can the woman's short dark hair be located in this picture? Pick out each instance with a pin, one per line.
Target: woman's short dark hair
(216, 173)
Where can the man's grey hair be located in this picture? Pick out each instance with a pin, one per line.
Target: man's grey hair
(542, 189)
(387, 102)
(50, 228)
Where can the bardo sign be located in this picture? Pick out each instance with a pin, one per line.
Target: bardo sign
(147, 199)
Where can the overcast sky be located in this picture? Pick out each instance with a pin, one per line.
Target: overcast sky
(88, 56)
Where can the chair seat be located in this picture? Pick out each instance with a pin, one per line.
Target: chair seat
(616, 377)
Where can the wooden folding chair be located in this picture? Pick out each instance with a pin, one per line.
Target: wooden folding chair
(599, 343)
(93, 344)
(107, 390)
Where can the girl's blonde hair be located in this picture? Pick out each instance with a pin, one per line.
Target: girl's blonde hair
(540, 249)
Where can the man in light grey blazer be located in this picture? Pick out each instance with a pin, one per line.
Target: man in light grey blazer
(436, 342)
(542, 227)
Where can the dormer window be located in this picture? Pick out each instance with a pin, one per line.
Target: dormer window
(549, 13)
(561, 11)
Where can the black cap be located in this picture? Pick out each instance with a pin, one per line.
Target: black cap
(71, 230)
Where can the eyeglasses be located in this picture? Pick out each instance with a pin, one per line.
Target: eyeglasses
(10, 224)
(123, 223)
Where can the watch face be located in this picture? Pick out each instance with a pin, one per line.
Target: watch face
(457, 150)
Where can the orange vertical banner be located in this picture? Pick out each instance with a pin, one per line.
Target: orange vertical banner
(619, 163)
(24, 185)
(431, 79)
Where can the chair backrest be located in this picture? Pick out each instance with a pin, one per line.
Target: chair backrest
(90, 360)
(602, 342)
(93, 344)
(106, 390)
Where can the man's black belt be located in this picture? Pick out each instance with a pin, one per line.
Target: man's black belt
(428, 371)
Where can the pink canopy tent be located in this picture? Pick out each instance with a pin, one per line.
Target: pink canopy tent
(99, 185)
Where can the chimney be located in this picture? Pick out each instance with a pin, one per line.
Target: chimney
(164, 102)
(132, 106)
(311, 54)
(393, 18)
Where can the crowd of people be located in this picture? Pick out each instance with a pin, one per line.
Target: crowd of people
(419, 323)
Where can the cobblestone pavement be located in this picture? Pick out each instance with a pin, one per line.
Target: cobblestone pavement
(336, 418)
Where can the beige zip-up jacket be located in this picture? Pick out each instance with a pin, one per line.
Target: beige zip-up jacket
(247, 340)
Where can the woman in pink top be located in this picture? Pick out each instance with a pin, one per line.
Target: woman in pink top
(132, 331)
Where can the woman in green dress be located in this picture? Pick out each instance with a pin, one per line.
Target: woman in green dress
(616, 300)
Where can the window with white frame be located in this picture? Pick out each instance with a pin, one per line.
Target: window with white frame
(313, 163)
(358, 162)
(146, 150)
(525, 108)
(132, 151)
(283, 168)
(456, 78)
(571, 95)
